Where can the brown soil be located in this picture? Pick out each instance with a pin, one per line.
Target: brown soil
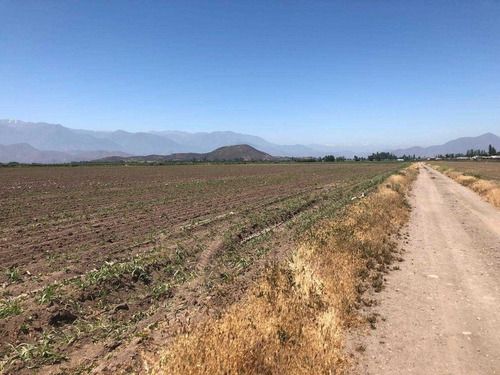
(103, 254)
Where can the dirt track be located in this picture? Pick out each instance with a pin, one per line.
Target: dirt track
(440, 314)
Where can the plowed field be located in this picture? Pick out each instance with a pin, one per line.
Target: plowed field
(93, 257)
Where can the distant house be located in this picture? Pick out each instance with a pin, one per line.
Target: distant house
(401, 159)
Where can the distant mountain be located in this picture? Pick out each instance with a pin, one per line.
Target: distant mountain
(52, 137)
(460, 145)
(226, 153)
(25, 153)
(144, 143)
(59, 138)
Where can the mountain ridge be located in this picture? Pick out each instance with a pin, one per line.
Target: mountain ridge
(55, 137)
(455, 146)
(140, 143)
(25, 153)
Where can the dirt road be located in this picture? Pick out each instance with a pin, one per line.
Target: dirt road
(440, 314)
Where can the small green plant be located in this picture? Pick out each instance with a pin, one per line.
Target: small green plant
(24, 352)
(179, 276)
(226, 277)
(139, 316)
(48, 294)
(229, 242)
(24, 328)
(160, 291)
(9, 308)
(106, 272)
(139, 272)
(242, 262)
(36, 355)
(13, 274)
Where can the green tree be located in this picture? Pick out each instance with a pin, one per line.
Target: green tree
(378, 156)
(492, 150)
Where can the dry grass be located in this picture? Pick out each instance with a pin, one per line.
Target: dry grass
(294, 319)
(488, 189)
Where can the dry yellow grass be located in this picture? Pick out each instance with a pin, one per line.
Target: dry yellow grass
(488, 189)
(293, 320)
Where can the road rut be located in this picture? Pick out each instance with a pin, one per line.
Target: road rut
(440, 314)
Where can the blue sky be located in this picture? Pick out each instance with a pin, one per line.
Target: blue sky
(329, 72)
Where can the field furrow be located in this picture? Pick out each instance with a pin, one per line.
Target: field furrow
(95, 257)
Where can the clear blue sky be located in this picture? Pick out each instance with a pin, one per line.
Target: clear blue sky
(331, 72)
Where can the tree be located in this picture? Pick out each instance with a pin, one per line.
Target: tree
(329, 158)
(491, 150)
(382, 156)
(470, 153)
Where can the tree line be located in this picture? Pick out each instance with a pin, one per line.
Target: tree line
(471, 153)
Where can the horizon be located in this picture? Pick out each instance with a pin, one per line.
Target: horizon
(348, 148)
(344, 74)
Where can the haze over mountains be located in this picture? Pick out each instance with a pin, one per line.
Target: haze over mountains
(51, 143)
(456, 146)
(25, 153)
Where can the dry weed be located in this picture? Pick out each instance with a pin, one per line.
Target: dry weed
(488, 189)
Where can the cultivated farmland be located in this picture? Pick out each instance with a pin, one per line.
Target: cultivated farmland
(489, 170)
(94, 257)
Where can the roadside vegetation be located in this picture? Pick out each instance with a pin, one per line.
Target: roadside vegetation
(481, 177)
(294, 318)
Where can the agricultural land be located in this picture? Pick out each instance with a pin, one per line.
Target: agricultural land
(103, 263)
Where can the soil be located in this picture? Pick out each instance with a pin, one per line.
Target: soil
(440, 314)
(63, 227)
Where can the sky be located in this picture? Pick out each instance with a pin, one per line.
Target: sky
(352, 72)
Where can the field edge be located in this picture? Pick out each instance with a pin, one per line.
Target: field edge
(295, 317)
(486, 188)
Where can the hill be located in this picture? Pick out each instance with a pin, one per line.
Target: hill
(226, 153)
(239, 152)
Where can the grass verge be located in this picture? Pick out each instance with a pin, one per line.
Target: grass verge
(488, 189)
(293, 320)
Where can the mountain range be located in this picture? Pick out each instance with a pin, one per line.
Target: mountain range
(25, 153)
(54, 137)
(456, 146)
(53, 143)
